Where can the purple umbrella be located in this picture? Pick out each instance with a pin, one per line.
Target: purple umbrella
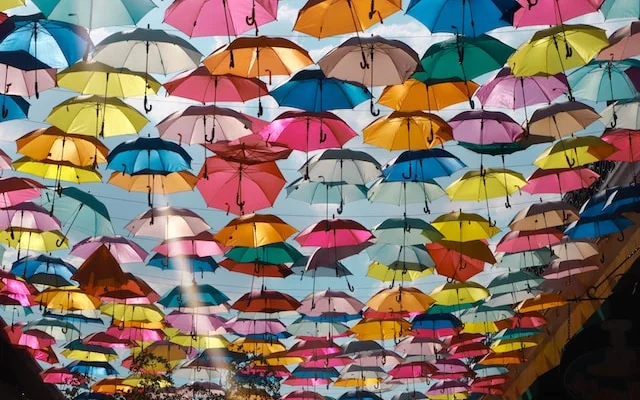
(197, 324)
(508, 91)
(485, 127)
(123, 249)
(28, 216)
(242, 326)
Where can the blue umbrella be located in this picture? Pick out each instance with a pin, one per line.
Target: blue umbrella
(57, 44)
(21, 59)
(621, 9)
(623, 199)
(144, 155)
(331, 318)
(44, 270)
(13, 107)
(421, 166)
(73, 317)
(359, 395)
(604, 80)
(267, 336)
(94, 396)
(194, 263)
(92, 16)
(311, 90)
(595, 227)
(92, 368)
(466, 17)
(315, 373)
(436, 322)
(193, 296)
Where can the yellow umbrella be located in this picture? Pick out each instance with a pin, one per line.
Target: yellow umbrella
(325, 18)
(9, 4)
(415, 95)
(139, 324)
(256, 346)
(464, 227)
(456, 396)
(31, 239)
(541, 302)
(253, 230)
(481, 327)
(506, 346)
(486, 183)
(86, 355)
(133, 312)
(111, 386)
(377, 329)
(139, 381)
(400, 299)
(66, 298)
(385, 274)
(415, 130)
(200, 341)
(174, 182)
(93, 77)
(557, 49)
(57, 170)
(575, 152)
(357, 382)
(457, 293)
(95, 115)
(52, 144)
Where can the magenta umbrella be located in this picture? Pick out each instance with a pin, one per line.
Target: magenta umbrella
(198, 84)
(516, 241)
(416, 369)
(307, 382)
(14, 190)
(197, 324)
(28, 215)
(243, 326)
(485, 127)
(321, 130)
(510, 92)
(314, 348)
(627, 142)
(124, 250)
(552, 12)
(452, 369)
(470, 350)
(201, 245)
(137, 334)
(302, 395)
(228, 18)
(334, 233)
(31, 338)
(560, 180)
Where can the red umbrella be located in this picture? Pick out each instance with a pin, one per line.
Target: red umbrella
(105, 340)
(30, 338)
(257, 269)
(334, 233)
(460, 260)
(560, 180)
(451, 369)
(46, 355)
(531, 319)
(314, 348)
(471, 350)
(134, 291)
(62, 376)
(15, 190)
(627, 142)
(266, 301)
(251, 149)
(236, 187)
(492, 380)
(200, 85)
(516, 241)
(416, 369)
(464, 338)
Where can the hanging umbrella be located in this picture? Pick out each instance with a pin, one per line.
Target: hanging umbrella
(459, 293)
(303, 395)
(276, 253)
(605, 80)
(622, 114)
(96, 116)
(13, 107)
(400, 300)
(623, 43)
(464, 227)
(44, 270)
(460, 260)
(560, 180)
(626, 141)
(254, 230)
(514, 282)
(24, 75)
(394, 274)
(574, 152)
(561, 119)
(79, 211)
(400, 193)
(184, 263)
(29, 216)
(405, 231)
(427, 348)
(256, 186)
(350, 166)
(193, 296)
(575, 249)
(322, 18)
(472, 18)
(60, 330)
(147, 155)
(65, 43)
(557, 49)
(250, 149)
(373, 329)
(57, 171)
(544, 215)
(401, 257)
(154, 182)
(486, 184)
(485, 127)
(334, 233)
(435, 325)
(93, 15)
(200, 85)
(620, 9)
(32, 239)
(515, 241)
(123, 249)
(421, 166)
(201, 245)
(66, 299)
(552, 12)
(9, 4)
(263, 270)
(198, 18)
(595, 227)
(415, 95)
(325, 192)
(407, 131)
(330, 303)
(167, 222)
(266, 301)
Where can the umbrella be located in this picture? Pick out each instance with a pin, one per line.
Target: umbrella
(256, 185)
(349, 166)
(472, 18)
(79, 211)
(334, 233)
(626, 141)
(96, 116)
(541, 302)
(325, 192)
(378, 329)
(323, 18)
(143, 155)
(57, 171)
(560, 180)
(516, 281)
(250, 149)
(400, 300)
(65, 43)
(459, 293)
(13, 107)
(201, 245)
(595, 227)
(405, 231)
(486, 184)
(485, 127)
(60, 330)
(574, 152)
(421, 166)
(193, 296)
(32, 239)
(24, 75)
(401, 257)
(383, 273)
(265, 301)
(44, 270)
(151, 182)
(9, 4)
(166, 223)
(34, 339)
(515, 241)
(561, 119)
(544, 215)
(210, 18)
(16, 190)
(460, 260)
(330, 303)
(622, 114)
(400, 193)
(511, 92)
(66, 299)
(254, 230)
(552, 12)
(415, 95)
(257, 269)
(435, 325)
(605, 80)
(464, 227)
(623, 43)
(310, 90)
(30, 216)
(302, 395)
(415, 130)
(557, 49)
(93, 15)
(275, 253)
(620, 9)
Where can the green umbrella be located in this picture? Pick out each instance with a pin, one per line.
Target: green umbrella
(604, 80)
(406, 231)
(487, 313)
(510, 282)
(276, 253)
(444, 309)
(401, 193)
(397, 255)
(516, 333)
(325, 192)
(524, 259)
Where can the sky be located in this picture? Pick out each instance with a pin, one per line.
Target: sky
(124, 206)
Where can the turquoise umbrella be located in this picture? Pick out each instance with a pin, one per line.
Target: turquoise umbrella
(96, 13)
(485, 313)
(325, 192)
(514, 282)
(516, 333)
(193, 296)
(398, 255)
(604, 80)
(621, 9)
(407, 192)
(407, 231)
(59, 329)
(524, 259)
(276, 253)
(79, 211)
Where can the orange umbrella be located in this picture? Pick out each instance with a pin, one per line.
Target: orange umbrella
(257, 269)
(460, 260)
(98, 271)
(511, 357)
(415, 95)
(541, 302)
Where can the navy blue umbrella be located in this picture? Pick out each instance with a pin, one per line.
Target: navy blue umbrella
(421, 166)
(13, 107)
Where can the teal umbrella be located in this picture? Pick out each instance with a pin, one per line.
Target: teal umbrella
(516, 333)
(276, 253)
(193, 296)
(407, 231)
(514, 282)
(59, 329)
(485, 313)
(405, 192)
(96, 13)
(621, 9)
(524, 259)
(79, 211)
(396, 255)
(444, 309)
(325, 192)
(605, 80)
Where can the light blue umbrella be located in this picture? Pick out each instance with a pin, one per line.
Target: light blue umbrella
(395, 254)
(92, 368)
(400, 193)
(524, 259)
(44, 270)
(144, 155)
(621, 9)
(595, 227)
(313, 192)
(13, 107)
(514, 282)
(96, 13)
(407, 231)
(79, 211)
(604, 80)
(421, 166)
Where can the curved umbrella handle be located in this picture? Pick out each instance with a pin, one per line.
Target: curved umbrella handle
(232, 61)
(570, 161)
(507, 203)
(410, 172)
(621, 237)
(251, 19)
(602, 258)
(614, 121)
(492, 223)
(228, 208)
(431, 137)
(364, 64)
(60, 242)
(383, 361)
(179, 139)
(472, 103)
(350, 286)
(147, 107)
(372, 11)
(372, 109)
(64, 329)
(240, 203)
(532, 3)
(341, 207)
(323, 136)
(5, 111)
(213, 134)
(568, 49)
(426, 207)
(260, 108)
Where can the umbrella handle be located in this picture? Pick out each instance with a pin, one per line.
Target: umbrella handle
(507, 203)
(149, 201)
(410, 172)
(232, 61)
(568, 49)
(179, 139)
(472, 103)
(602, 258)
(240, 203)
(260, 108)
(372, 11)
(570, 161)
(228, 208)
(65, 330)
(251, 19)
(364, 64)
(383, 361)
(492, 223)
(35, 86)
(323, 136)
(426, 208)
(5, 111)
(614, 121)
(532, 3)
(147, 107)
(60, 242)
(350, 286)
(621, 237)
(213, 134)
(341, 207)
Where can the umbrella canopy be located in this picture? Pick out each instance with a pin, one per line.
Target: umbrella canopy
(574, 152)
(24, 75)
(407, 131)
(460, 260)
(421, 166)
(52, 144)
(552, 12)
(560, 180)
(254, 230)
(400, 299)
(349, 166)
(623, 43)
(92, 14)
(561, 119)
(605, 80)
(415, 95)
(334, 233)
(167, 222)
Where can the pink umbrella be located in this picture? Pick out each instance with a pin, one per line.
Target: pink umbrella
(322, 130)
(205, 124)
(377, 358)
(105, 340)
(277, 371)
(30, 338)
(220, 18)
(332, 360)
(302, 395)
(552, 12)
(421, 346)
(416, 369)
(452, 369)
(18, 82)
(243, 326)
(46, 355)
(235, 187)
(198, 84)
(559, 269)
(29, 216)
(201, 245)
(508, 91)
(15, 190)
(334, 233)
(307, 382)
(448, 388)
(124, 250)
(627, 142)
(470, 350)
(137, 334)
(485, 127)
(330, 303)
(516, 241)
(560, 180)
(313, 348)
(5, 161)
(198, 324)
(61, 376)
(531, 319)
(624, 43)
(167, 223)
